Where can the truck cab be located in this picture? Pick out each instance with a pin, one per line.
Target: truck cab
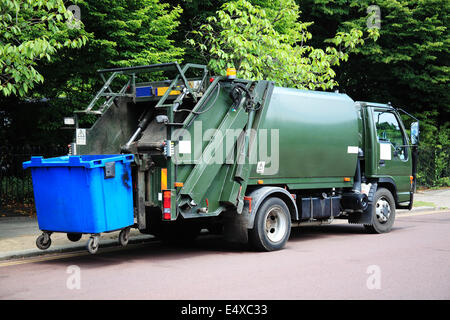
(389, 156)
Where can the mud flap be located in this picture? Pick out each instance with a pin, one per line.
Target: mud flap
(365, 217)
(235, 227)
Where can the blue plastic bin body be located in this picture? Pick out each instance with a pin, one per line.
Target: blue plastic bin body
(74, 194)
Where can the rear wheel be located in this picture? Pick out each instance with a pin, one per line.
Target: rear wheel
(272, 226)
(383, 214)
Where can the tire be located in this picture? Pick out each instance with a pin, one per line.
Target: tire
(124, 236)
(272, 226)
(92, 245)
(383, 212)
(43, 242)
(74, 237)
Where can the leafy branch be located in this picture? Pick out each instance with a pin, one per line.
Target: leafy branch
(272, 45)
(31, 30)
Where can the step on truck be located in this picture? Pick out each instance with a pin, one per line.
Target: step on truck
(247, 159)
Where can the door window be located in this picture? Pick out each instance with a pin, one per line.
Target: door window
(389, 131)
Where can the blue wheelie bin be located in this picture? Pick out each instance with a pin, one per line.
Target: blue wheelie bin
(86, 194)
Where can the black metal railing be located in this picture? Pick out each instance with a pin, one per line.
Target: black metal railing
(16, 186)
(433, 167)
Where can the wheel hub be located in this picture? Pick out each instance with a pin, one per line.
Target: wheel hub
(276, 224)
(383, 210)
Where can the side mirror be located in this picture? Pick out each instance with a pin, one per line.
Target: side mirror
(415, 133)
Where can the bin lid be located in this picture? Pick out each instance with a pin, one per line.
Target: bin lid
(86, 161)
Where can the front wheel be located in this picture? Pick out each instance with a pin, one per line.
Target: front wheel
(383, 214)
(272, 226)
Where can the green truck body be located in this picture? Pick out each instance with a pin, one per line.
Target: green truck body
(248, 158)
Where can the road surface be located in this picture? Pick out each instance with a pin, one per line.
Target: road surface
(338, 261)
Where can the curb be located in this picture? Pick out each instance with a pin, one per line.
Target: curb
(418, 209)
(423, 208)
(107, 243)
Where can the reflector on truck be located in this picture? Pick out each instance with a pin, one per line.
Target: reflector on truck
(163, 178)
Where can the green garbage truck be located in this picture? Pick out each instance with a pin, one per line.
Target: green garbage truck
(247, 159)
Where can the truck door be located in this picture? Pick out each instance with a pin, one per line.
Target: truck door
(394, 155)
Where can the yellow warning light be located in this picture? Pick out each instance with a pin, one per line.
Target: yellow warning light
(163, 178)
(347, 179)
(260, 181)
(231, 73)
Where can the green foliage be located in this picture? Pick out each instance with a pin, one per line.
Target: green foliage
(31, 31)
(121, 33)
(34, 122)
(128, 33)
(415, 44)
(408, 66)
(270, 43)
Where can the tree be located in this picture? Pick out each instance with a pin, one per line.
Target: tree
(408, 65)
(269, 43)
(29, 32)
(120, 33)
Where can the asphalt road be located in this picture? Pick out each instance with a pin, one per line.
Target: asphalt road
(330, 262)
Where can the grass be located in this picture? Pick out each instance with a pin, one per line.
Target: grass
(424, 204)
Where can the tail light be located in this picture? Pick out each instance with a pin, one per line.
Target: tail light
(166, 205)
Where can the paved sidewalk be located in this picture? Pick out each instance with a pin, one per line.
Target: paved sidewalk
(438, 198)
(18, 233)
(18, 239)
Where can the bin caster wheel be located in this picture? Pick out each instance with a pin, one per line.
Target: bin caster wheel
(43, 242)
(74, 237)
(124, 236)
(92, 244)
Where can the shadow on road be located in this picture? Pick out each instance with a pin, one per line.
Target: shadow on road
(155, 252)
(336, 230)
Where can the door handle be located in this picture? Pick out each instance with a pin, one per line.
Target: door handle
(382, 163)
